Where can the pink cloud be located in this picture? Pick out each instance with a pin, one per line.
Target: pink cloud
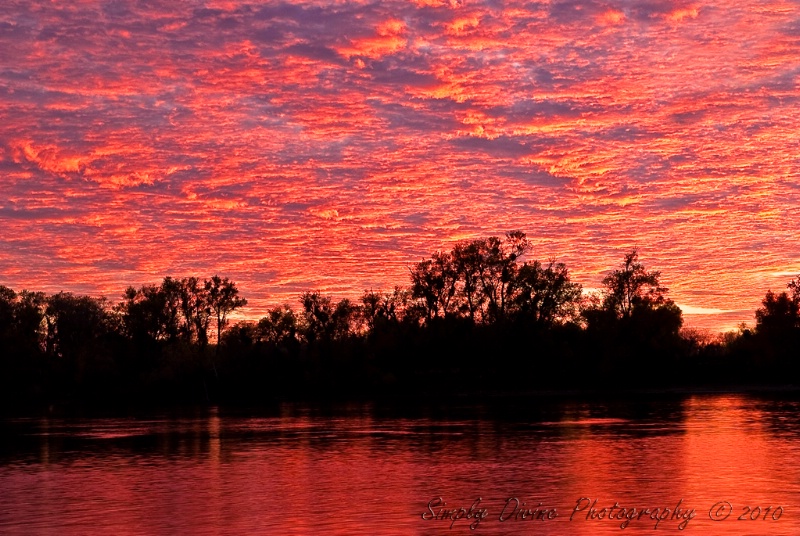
(299, 145)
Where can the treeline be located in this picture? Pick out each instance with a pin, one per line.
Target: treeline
(480, 318)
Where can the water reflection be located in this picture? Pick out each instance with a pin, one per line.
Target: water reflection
(372, 470)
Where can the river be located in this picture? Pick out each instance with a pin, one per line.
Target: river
(702, 464)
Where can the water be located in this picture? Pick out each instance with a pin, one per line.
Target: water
(366, 470)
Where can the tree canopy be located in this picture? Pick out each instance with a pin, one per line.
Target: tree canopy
(631, 286)
(485, 314)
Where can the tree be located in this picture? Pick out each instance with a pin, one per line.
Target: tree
(469, 264)
(179, 308)
(498, 269)
(21, 318)
(433, 283)
(222, 298)
(172, 291)
(379, 309)
(326, 321)
(778, 330)
(779, 313)
(7, 300)
(545, 294)
(632, 286)
(346, 319)
(75, 323)
(473, 280)
(280, 326)
(195, 310)
(634, 318)
(794, 288)
(318, 314)
(29, 315)
(241, 335)
(149, 313)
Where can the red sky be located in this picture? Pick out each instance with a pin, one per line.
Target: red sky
(329, 145)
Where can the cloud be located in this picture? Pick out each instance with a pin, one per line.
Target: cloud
(144, 139)
(693, 310)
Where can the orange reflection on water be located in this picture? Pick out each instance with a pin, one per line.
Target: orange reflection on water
(362, 471)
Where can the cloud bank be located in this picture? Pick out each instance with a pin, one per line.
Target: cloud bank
(329, 145)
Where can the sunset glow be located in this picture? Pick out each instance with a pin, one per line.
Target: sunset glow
(330, 145)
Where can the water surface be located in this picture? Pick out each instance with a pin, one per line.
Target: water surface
(367, 470)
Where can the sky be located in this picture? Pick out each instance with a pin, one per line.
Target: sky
(295, 146)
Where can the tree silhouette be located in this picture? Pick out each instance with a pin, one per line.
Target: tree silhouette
(8, 300)
(433, 283)
(21, 318)
(778, 329)
(195, 309)
(381, 309)
(632, 286)
(318, 315)
(498, 270)
(469, 264)
(150, 313)
(280, 326)
(780, 312)
(474, 280)
(325, 321)
(172, 292)
(545, 294)
(222, 298)
(29, 320)
(440, 335)
(75, 323)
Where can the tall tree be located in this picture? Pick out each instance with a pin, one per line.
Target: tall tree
(195, 310)
(318, 315)
(280, 326)
(149, 313)
(499, 268)
(778, 330)
(486, 269)
(75, 323)
(433, 283)
(223, 298)
(326, 321)
(8, 299)
(21, 318)
(379, 309)
(172, 291)
(632, 286)
(473, 280)
(469, 264)
(545, 294)
(779, 313)
(29, 319)
(346, 319)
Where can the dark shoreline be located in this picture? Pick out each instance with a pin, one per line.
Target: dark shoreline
(519, 399)
(477, 323)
